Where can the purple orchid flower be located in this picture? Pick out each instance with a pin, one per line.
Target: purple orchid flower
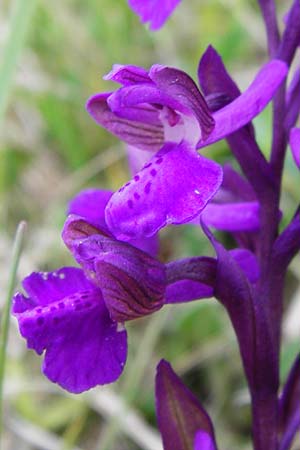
(156, 12)
(76, 316)
(177, 110)
(163, 112)
(65, 316)
(183, 422)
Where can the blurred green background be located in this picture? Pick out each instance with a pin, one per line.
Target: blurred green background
(53, 57)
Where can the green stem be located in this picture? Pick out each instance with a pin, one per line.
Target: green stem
(18, 25)
(16, 253)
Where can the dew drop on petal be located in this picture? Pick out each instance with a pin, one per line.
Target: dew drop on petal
(120, 327)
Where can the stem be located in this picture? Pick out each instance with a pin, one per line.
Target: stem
(268, 9)
(279, 142)
(272, 283)
(258, 172)
(292, 102)
(264, 414)
(286, 52)
(16, 253)
(265, 382)
(291, 36)
(253, 164)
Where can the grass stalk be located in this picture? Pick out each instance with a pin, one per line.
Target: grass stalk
(16, 253)
(18, 25)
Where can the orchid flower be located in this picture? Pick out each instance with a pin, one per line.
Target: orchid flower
(163, 112)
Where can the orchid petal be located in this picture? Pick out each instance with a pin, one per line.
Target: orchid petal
(87, 217)
(180, 86)
(249, 104)
(65, 315)
(127, 296)
(218, 86)
(232, 216)
(90, 204)
(156, 12)
(132, 282)
(144, 131)
(183, 115)
(204, 441)
(136, 158)
(173, 187)
(187, 290)
(127, 75)
(235, 184)
(213, 77)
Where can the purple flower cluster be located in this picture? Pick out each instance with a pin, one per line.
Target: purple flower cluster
(77, 315)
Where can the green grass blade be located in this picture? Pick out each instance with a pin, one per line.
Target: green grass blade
(17, 29)
(16, 253)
